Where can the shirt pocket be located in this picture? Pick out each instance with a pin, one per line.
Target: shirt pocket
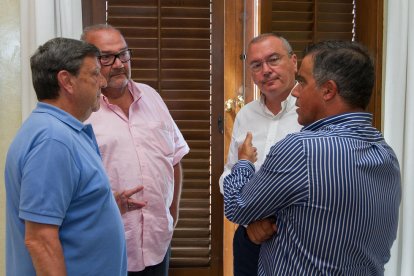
(161, 137)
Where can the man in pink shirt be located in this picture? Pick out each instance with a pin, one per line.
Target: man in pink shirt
(140, 144)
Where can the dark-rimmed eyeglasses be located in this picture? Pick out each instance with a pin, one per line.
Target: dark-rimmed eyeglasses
(272, 61)
(109, 59)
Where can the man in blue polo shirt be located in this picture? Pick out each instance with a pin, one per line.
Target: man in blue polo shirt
(61, 216)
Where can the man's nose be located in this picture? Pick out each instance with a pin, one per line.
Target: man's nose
(295, 90)
(266, 68)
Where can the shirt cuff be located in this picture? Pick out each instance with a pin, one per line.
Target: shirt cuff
(244, 164)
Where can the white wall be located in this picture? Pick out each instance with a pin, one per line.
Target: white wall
(10, 97)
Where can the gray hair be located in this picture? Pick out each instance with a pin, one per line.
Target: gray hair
(54, 56)
(97, 27)
(263, 36)
(349, 65)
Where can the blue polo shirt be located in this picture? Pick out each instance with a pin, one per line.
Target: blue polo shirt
(54, 175)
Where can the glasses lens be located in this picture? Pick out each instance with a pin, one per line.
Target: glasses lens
(256, 66)
(108, 60)
(273, 60)
(125, 55)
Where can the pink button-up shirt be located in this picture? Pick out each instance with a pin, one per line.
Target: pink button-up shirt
(142, 150)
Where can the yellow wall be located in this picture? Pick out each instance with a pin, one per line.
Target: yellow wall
(10, 97)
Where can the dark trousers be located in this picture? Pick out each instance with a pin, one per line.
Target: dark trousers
(245, 254)
(160, 269)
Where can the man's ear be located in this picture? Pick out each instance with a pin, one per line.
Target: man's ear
(329, 90)
(295, 62)
(65, 81)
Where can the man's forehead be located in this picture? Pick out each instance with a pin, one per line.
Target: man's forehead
(113, 50)
(267, 46)
(306, 65)
(106, 39)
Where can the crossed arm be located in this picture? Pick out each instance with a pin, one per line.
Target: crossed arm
(260, 230)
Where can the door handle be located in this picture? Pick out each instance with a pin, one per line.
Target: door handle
(231, 105)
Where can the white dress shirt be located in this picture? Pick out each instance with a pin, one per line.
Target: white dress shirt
(267, 129)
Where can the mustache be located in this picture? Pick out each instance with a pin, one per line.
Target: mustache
(270, 78)
(118, 71)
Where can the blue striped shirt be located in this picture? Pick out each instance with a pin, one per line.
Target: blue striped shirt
(334, 189)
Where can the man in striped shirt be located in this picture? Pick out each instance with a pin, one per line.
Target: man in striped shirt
(334, 188)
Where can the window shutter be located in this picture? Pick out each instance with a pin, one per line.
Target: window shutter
(170, 40)
(307, 21)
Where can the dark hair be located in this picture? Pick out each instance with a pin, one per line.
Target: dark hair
(263, 36)
(97, 27)
(56, 55)
(349, 65)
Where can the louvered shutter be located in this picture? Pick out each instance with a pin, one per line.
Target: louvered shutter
(171, 52)
(308, 21)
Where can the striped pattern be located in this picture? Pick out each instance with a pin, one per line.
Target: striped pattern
(334, 189)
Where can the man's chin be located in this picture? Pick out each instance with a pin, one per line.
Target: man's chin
(272, 86)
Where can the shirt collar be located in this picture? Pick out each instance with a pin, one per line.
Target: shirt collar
(132, 88)
(136, 93)
(60, 114)
(287, 105)
(345, 119)
(64, 117)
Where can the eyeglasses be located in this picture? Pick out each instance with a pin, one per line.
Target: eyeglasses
(272, 61)
(109, 59)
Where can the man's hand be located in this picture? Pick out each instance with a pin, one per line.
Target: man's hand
(246, 150)
(126, 203)
(261, 230)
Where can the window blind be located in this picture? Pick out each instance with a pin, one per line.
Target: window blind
(309, 21)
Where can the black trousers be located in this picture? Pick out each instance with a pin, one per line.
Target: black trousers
(245, 254)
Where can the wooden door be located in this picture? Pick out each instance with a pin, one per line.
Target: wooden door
(239, 30)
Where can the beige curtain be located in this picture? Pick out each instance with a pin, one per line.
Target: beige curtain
(10, 118)
(399, 123)
(42, 20)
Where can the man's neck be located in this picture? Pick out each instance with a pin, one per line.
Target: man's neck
(274, 104)
(120, 97)
(67, 106)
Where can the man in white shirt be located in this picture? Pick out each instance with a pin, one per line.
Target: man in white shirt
(273, 66)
